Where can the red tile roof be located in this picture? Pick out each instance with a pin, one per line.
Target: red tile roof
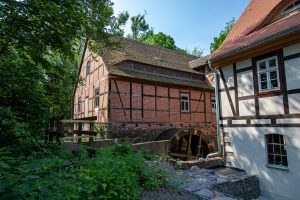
(246, 31)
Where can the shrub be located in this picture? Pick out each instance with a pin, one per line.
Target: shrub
(38, 171)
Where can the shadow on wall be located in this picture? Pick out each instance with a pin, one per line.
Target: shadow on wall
(252, 157)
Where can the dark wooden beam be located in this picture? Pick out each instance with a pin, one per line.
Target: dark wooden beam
(198, 105)
(227, 92)
(236, 90)
(118, 92)
(130, 101)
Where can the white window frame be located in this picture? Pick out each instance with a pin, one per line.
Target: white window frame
(295, 7)
(184, 102)
(79, 105)
(213, 104)
(88, 68)
(268, 71)
(281, 143)
(86, 106)
(95, 99)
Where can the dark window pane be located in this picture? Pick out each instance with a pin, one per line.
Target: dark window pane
(278, 160)
(187, 105)
(182, 105)
(277, 149)
(270, 148)
(269, 138)
(276, 138)
(281, 139)
(264, 85)
(274, 83)
(263, 77)
(272, 63)
(273, 75)
(283, 151)
(284, 161)
(270, 159)
(88, 66)
(262, 65)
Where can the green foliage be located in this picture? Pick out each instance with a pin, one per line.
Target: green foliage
(36, 171)
(139, 26)
(162, 40)
(196, 52)
(219, 40)
(40, 42)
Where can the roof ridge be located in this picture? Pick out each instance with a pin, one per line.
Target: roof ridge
(159, 47)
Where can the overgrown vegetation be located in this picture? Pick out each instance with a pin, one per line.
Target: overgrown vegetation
(222, 36)
(141, 30)
(36, 171)
(40, 46)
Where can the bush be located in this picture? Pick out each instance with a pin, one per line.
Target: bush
(38, 171)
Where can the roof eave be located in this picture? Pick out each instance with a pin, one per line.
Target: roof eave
(256, 43)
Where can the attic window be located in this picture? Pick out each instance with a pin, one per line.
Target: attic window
(157, 58)
(291, 7)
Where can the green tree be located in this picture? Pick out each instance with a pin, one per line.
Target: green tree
(39, 42)
(196, 52)
(223, 34)
(161, 39)
(139, 26)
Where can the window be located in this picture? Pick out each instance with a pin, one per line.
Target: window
(97, 94)
(86, 107)
(291, 7)
(268, 75)
(276, 150)
(213, 104)
(184, 102)
(79, 105)
(88, 68)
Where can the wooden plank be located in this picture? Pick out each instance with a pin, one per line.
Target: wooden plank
(142, 94)
(189, 145)
(109, 101)
(118, 92)
(130, 101)
(283, 82)
(169, 105)
(79, 131)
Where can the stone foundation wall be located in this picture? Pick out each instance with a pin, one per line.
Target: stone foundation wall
(246, 188)
(136, 135)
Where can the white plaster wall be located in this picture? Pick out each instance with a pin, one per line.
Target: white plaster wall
(260, 121)
(228, 74)
(225, 105)
(247, 107)
(271, 105)
(292, 71)
(291, 49)
(245, 83)
(294, 103)
(248, 145)
(243, 64)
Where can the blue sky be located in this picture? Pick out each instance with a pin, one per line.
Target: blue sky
(191, 22)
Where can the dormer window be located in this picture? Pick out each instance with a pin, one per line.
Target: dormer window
(291, 7)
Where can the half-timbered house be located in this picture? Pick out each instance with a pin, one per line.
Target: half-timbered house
(142, 90)
(258, 68)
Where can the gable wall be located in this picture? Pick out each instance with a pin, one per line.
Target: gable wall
(97, 79)
(257, 115)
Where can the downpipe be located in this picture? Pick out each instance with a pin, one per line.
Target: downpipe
(216, 78)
